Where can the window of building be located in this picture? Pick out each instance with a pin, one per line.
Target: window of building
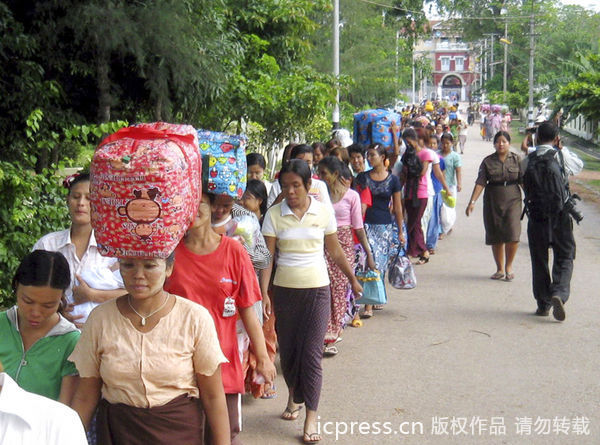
(445, 63)
(460, 63)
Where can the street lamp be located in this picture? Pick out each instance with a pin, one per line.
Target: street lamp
(336, 63)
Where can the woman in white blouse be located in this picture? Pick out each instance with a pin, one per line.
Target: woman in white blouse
(94, 278)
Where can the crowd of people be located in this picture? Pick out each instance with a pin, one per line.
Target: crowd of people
(151, 350)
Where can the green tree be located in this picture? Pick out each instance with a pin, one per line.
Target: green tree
(368, 46)
(183, 58)
(24, 87)
(582, 95)
(562, 32)
(32, 205)
(273, 86)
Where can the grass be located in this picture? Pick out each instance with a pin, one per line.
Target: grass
(590, 163)
(516, 138)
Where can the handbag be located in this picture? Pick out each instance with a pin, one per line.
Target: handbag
(373, 288)
(401, 273)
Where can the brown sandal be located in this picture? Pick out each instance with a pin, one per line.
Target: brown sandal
(291, 414)
(311, 438)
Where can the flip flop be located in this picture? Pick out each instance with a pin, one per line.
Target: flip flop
(270, 393)
(378, 307)
(509, 277)
(330, 351)
(497, 276)
(311, 438)
(423, 260)
(367, 314)
(291, 414)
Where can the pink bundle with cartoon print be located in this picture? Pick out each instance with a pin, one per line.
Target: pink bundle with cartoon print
(145, 189)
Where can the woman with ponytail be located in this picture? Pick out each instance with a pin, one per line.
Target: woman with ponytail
(379, 222)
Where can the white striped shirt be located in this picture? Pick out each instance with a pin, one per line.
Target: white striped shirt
(300, 244)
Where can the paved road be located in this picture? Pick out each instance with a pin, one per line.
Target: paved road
(465, 347)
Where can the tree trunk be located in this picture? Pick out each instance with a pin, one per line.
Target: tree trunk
(103, 81)
(158, 109)
(42, 161)
(55, 153)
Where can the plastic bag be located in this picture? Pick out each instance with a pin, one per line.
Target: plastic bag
(373, 288)
(447, 217)
(401, 273)
(245, 229)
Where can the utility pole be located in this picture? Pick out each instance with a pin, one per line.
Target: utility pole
(504, 74)
(492, 38)
(336, 63)
(484, 67)
(530, 121)
(396, 66)
(414, 100)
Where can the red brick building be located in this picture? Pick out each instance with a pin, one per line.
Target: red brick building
(454, 70)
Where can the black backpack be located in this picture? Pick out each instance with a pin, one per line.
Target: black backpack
(545, 188)
(414, 167)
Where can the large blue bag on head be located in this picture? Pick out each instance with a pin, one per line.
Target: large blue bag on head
(224, 170)
(373, 288)
(374, 127)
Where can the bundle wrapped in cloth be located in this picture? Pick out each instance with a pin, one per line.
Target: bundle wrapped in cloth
(375, 127)
(145, 189)
(224, 163)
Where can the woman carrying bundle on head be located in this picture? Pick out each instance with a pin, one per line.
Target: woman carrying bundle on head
(149, 360)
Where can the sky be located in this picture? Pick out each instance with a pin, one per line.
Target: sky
(589, 4)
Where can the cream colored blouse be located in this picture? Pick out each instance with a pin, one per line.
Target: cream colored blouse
(148, 369)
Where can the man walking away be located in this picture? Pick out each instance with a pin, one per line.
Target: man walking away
(550, 207)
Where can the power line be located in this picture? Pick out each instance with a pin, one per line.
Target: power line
(398, 8)
(392, 7)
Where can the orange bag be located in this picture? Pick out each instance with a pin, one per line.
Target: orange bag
(145, 189)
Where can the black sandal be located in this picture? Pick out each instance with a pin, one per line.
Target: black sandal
(423, 259)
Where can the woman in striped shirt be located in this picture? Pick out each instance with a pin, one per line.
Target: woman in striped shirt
(300, 227)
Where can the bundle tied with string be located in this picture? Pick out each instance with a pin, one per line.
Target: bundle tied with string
(224, 163)
(145, 189)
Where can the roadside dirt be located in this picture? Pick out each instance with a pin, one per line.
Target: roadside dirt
(581, 185)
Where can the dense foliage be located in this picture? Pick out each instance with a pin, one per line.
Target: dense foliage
(370, 38)
(582, 95)
(31, 206)
(561, 33)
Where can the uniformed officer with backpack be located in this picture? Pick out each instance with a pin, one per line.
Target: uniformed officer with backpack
(550, 208)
